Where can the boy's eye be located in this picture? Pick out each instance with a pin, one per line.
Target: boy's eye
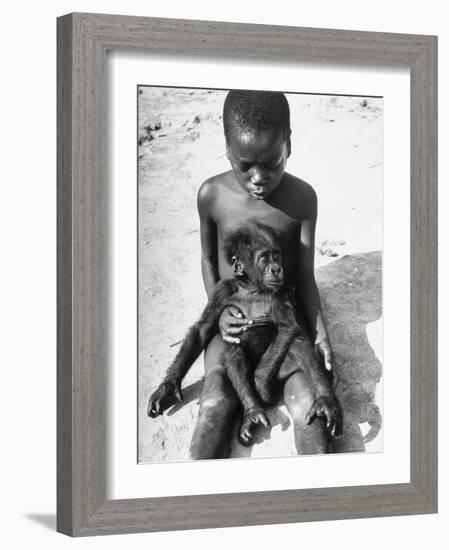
(274, 165)
(246, 166)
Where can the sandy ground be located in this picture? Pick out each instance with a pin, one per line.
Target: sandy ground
(337, 146)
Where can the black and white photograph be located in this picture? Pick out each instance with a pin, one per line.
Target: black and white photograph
(259, 274)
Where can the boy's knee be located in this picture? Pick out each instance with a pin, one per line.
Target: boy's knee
(299, 403)
(216, 380)
(217, 391)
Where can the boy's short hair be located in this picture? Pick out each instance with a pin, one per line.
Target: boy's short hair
(254, 110)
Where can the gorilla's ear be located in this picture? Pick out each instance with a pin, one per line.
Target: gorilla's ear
(237, 267)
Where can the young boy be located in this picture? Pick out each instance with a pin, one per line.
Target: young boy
(257, 131)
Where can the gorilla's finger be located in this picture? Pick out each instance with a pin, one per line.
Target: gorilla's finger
(237, 329)
(329, 419)
(311, 416)
(235, 312)
(339, 428)
(178, 395)
(230, 340)
(265, 422)
(245, 436)
(151, 410)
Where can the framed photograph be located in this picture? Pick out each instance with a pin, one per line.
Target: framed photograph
(286, 177)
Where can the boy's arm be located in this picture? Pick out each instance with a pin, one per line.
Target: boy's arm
(208, 235)
(307, 291)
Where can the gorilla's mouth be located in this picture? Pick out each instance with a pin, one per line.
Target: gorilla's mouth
(275, 283)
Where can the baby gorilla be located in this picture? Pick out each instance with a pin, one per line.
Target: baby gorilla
(259, 290)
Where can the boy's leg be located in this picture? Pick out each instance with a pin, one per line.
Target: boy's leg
(218, 404)
(299, 396)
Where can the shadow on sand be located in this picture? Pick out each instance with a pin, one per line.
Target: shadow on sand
(351, 294)
(189, 394)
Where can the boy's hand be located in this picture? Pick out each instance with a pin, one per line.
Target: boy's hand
(325, 350)
(232, 323)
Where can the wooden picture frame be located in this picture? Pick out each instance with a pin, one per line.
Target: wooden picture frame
(83, 40)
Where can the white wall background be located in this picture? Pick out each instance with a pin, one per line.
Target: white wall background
(28, 237)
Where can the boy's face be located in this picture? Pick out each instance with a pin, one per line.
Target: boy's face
(258, 159)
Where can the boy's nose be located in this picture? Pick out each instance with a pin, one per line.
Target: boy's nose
(257, 177)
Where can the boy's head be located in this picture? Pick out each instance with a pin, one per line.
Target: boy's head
(257, 131)
(250, 110)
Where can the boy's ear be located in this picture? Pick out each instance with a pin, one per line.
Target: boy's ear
(227, 151)
(289, 144)
(237, 267)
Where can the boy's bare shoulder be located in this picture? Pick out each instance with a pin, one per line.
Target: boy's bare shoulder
(211, 189)
(300, 195)
(299, 187)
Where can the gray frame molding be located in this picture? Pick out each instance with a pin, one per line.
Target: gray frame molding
(83, 40)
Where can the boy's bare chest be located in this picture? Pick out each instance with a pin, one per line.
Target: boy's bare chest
(232, 214)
